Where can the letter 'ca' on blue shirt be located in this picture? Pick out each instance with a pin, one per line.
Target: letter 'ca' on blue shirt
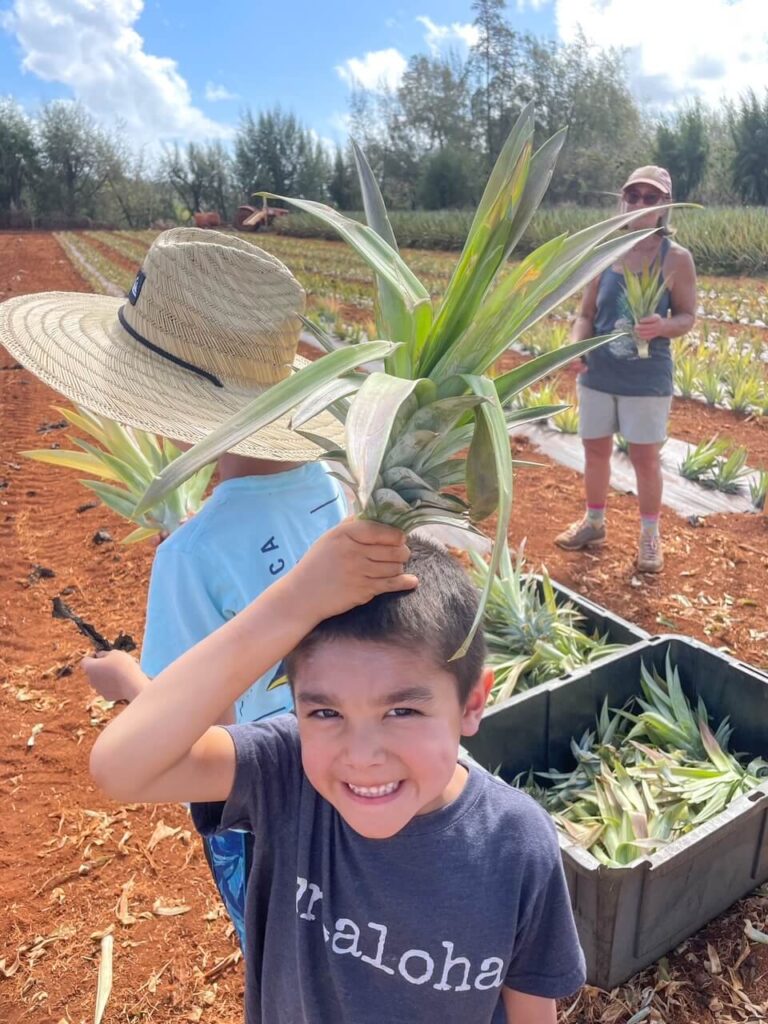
(251, 531)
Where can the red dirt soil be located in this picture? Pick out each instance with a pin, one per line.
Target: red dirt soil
(73, 864)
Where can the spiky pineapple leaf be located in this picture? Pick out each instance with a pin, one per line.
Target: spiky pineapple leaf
(369, 425)
(388, 300)
(83, 462)
(263, 410)
(407, 307)
(373, 202)
(318, 402)
(487, 244)
(493, 413)
(481, 480)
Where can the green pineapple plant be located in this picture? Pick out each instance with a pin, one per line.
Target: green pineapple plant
(702, 459)
(744, 390)
(567, 421)
(531, 636)
(643, 293)
(126, 460)
(710, 384)
(686, 373)
(758, 489)
(434, 417)
(646, 774)
(712, 464)
(728, 472)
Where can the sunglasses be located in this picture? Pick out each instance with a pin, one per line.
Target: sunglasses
(634, 196)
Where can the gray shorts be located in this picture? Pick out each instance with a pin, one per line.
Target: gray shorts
(640, 419)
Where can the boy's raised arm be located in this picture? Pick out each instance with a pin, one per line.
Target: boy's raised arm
(163, 746)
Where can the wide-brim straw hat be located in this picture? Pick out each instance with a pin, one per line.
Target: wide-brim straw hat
(211, 322)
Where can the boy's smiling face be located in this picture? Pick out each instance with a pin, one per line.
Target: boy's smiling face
(380, 727)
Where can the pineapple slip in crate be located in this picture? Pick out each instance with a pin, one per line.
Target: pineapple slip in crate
(630, 916)
(538, 631)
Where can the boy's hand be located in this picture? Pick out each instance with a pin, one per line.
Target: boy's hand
(349, 566)
(115, 675)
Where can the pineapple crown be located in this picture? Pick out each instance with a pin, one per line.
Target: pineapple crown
(433, 620)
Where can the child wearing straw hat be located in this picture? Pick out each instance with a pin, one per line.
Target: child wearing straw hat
(210, 322)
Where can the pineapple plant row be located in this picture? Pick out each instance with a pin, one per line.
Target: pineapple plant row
(715, 463)
(723, 374)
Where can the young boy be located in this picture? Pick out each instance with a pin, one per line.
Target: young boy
(391, 884)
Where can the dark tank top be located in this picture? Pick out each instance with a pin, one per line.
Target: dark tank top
(616, 367)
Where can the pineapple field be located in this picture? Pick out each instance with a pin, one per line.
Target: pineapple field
(81, 875)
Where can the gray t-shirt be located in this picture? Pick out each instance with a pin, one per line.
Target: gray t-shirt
(423, 927)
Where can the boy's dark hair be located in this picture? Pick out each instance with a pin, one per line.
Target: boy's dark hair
(434, 619)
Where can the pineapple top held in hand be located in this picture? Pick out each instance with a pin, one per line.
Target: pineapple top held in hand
(643, 293)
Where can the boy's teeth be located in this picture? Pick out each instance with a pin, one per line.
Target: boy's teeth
(373, 790)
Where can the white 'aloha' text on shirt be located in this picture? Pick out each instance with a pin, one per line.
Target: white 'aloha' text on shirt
(416, 966)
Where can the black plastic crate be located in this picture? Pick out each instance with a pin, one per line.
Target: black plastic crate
(628, 917)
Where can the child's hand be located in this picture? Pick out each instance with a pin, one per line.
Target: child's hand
(115, 675)
(349, 566)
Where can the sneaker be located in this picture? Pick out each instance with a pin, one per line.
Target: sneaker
(581, 534)
(650, 557)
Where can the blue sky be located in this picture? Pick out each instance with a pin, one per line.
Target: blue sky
(186, 69)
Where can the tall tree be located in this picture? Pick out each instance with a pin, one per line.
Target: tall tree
(448, 180)
(587, 90)
(682, 147)
(749, 129)
(314, 169)
(74, 154)
(495, 67)
(18, 157)
(434, 98)
(200, 176)
(275, 153)
(342, 189)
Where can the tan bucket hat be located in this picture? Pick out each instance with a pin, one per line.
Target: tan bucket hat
(210, 322)
(659, 177)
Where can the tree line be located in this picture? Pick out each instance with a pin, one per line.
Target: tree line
(431, 142)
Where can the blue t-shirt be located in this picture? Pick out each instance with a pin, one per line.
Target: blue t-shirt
(425, 926)
(250, 532)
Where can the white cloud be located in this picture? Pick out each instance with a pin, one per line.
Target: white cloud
(214, 93)
(377, 70)
(91, 47)
(439, 36)
(536, 5)
(676, 52)
(383, 69)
